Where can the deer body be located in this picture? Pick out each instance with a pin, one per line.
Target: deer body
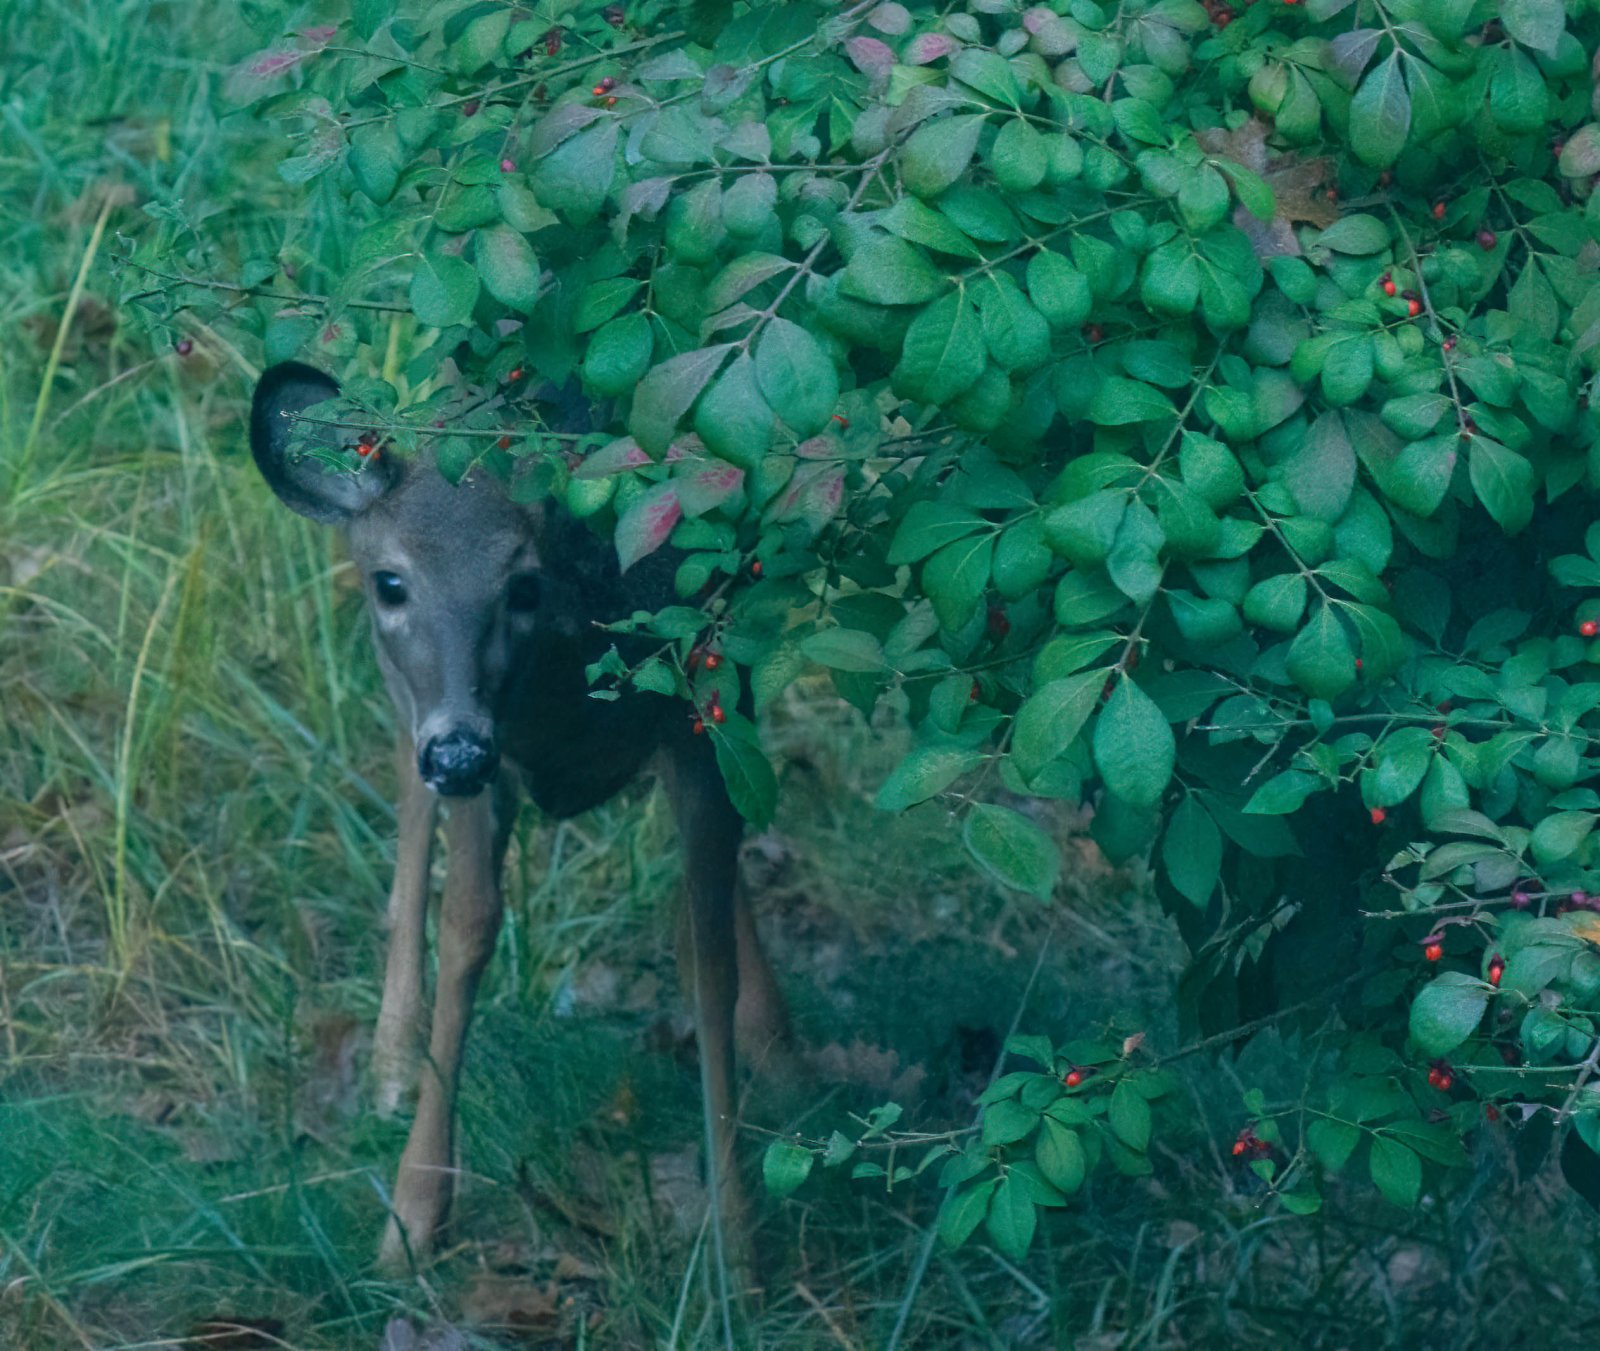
(484, 614)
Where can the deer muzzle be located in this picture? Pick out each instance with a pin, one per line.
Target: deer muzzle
(458, 763)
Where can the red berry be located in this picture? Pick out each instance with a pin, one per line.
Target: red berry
(611, 102)
(470, 108)
(1589, 628)
(717, 715)
(1450, 343)
(1497, 967)
(1093, 333)
(1074, 1078)
(756, 568)
(843, 421)
(1433, 951)
(1378, 816)
(1486, 239)
(1224, 18)
(363, 448)
(1438, 731)
(515, 374)
(504, 443)
(184, 346)
(1491, 1113)
(1520, 900)
(1438, 210)
(712, 661)
(508, 165)
(699, 726)
(973, 693)
(1358, 663)
(1239, 1146)
(1389, 288)
(1445, 1081)
(1413, 308)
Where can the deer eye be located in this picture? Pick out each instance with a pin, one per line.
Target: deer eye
(522, 593)
(388, 588)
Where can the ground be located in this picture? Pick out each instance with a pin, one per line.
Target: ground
(194, 844)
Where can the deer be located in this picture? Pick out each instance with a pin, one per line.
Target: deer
(484, 613)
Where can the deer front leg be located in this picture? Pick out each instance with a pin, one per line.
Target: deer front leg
(469, 921)
(397, 1043)
(709, 968)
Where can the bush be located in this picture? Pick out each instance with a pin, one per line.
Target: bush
(1186, 406)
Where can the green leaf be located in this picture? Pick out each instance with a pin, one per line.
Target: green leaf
(1059, 1154)
(955, 578)
(1380, 114)
(1129, 1116)
(1012, 1217)
(845, 650)
(1017, 336)
(1051, 718)
(602, 300)
(925, 772)
(1191, 852)
(888, 271)
(1332, 1142)
(796, 377)
(1203, 199)
(1060, 292)
(1357, 234)
(1283, 793)
(1447, 1011)
(943, 352)
(938, 153)
(1019, 159)
(376, 159)
(752, 786)
(1535, 23)
(1120, 401)
(1277, 602)
(963, 1211)
(1503, 482)
(1558, 835)
(444, 288)
(668, 391)
(509, 268)
(732, 418)
(785, 1166)
(1014, 851)
(1005, 1121)
(1396, 1171)
(1134, 749)
(928, 527)
(618, 355)
(1320, 660)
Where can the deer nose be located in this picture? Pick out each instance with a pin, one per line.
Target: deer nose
(458, 763)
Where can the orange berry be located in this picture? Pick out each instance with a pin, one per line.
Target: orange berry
(712, 661)
(1433, 951)
(1497, 968)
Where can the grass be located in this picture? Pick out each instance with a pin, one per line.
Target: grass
(194, 843)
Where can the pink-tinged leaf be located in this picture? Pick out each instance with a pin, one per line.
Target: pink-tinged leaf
(618, 457)
(890, 18)
(813, 495)
(645, 525)
(870, 56)
(926, 47)
(258, 75)
(1052, 35)
(706, 488)
(321, 35)
(822, 447)
(686, 447)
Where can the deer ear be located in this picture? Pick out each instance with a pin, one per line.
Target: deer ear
(303, 483)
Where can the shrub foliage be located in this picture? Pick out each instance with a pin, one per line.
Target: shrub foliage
(1183, 406)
